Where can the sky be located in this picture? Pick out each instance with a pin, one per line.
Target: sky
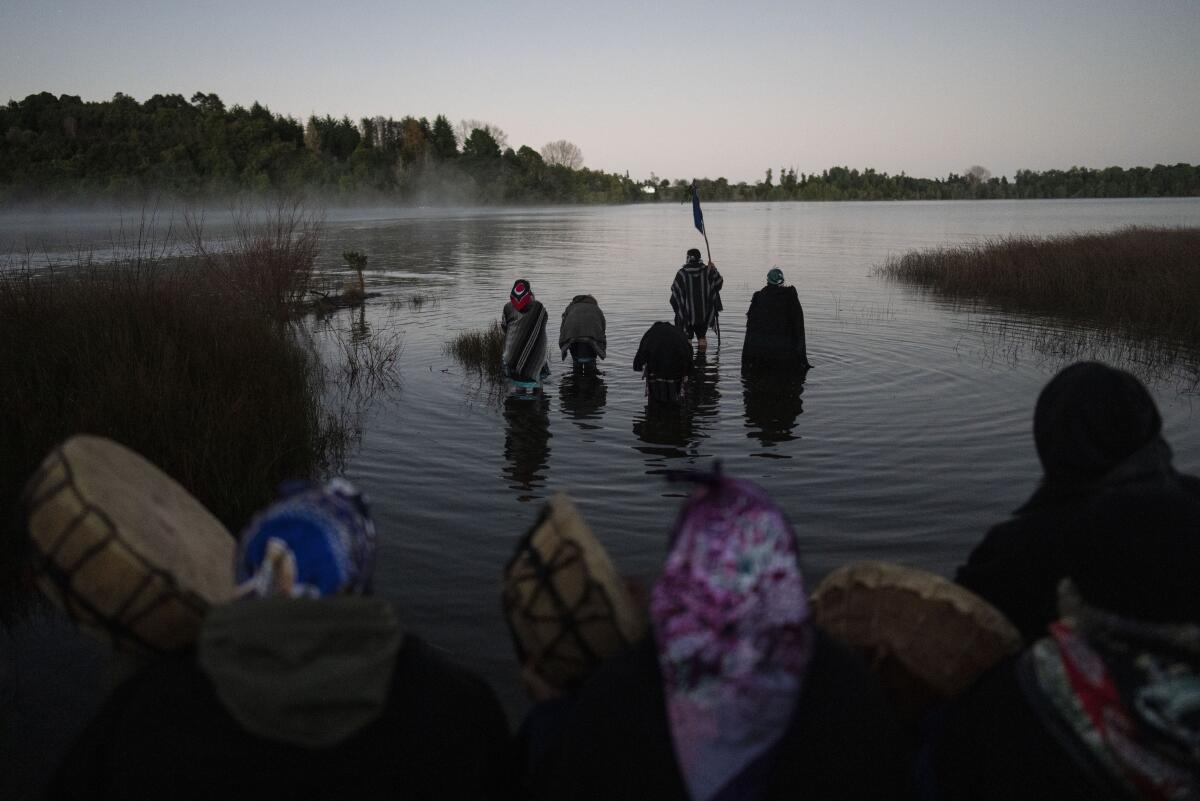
(681, 90)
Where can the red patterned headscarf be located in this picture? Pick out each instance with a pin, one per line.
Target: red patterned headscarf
(521, 294)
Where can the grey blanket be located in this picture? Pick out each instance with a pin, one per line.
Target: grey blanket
(582, 321)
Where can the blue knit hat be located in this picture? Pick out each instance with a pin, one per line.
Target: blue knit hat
(315, 541)
(775, 276)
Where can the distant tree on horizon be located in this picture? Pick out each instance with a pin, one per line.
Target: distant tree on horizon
(465, 127)
(563, 153)
(442, 139)
(481, 146)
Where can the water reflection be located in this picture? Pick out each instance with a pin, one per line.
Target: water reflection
(526, 443)
(704, 397)
(674, 431)
(582, 394)
(360, 329)
(773, 400)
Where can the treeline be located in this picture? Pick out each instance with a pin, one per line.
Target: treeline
(843, 183)
(62, 148)
(65, 148)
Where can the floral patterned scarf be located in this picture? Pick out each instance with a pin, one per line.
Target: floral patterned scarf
(734, 635)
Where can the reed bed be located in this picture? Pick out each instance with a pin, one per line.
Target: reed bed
(1139, 282)
(190, 361)
(480, 351)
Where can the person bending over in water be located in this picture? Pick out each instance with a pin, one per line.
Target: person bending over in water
(524, 324)
(665, 358)
(582, 331)
(696, 297)
(1096, 430)
(775, 327)
(307, 687)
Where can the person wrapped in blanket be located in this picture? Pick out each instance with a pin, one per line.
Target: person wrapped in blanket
(664, 356)
(1106, 704)
(306, 686)
(524, 324)
(582, 331)
(734, 693)
(775, 338)
(696, 297)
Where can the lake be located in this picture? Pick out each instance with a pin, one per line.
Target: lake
(910, 437)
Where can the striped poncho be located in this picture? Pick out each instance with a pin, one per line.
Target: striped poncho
(696, 297)
(524, 341)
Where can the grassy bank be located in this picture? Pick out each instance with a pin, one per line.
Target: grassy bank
(1141, 282)
(480, 351)
(191, 362)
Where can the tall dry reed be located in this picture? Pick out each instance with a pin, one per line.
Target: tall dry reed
(1140, 282)
(190, 361)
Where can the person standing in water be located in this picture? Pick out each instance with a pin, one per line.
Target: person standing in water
(775, 327)
(696, 297)
(524, 324)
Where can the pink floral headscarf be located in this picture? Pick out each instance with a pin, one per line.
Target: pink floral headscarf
(733, 629)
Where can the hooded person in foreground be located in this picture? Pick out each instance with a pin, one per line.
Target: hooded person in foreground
(308, 687)
(696, 297)
(582, 331)
(1096, 429)
(1107, 704)
(735, 694)
(523, 321)
(775, 328)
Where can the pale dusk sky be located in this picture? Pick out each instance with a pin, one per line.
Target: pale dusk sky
(679, 89)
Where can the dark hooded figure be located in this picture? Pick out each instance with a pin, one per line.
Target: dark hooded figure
(735, 693)
(1096, 429)
(775, 327)
(696, 297)
(524, 324)
(665, 358)
(582, 331)
(307, 687)
(1106, 705)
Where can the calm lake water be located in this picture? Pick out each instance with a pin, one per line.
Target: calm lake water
(910, 437)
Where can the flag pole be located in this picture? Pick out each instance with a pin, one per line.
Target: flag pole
(698, 219)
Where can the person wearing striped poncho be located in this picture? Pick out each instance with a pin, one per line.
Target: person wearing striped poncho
(696, 297)
(523, 322)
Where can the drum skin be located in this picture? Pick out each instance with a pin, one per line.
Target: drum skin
(567, 608)
(926, 637)
(123, 548)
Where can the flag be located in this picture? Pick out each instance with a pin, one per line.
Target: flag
(697, 215)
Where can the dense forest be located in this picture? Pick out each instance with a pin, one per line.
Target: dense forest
(64, 149)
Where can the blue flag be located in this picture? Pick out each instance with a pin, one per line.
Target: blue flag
(697, 215)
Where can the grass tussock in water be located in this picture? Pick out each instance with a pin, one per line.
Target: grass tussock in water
(177, 359)
(1143, 282)
(480, 351)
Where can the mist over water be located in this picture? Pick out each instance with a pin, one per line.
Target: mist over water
(910, 436)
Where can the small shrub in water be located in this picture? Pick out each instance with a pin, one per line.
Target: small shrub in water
(480, 351)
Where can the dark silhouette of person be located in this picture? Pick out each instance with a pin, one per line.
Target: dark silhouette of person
(1096, 430)
(664, 357)
(775, 327)
(307, 686)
